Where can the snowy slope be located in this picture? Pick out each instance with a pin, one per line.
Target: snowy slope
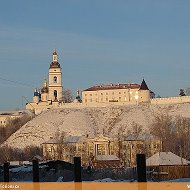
(90, 121)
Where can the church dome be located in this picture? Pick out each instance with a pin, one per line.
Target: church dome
(44, 90)
(54, 65)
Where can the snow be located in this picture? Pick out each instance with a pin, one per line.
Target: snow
(25, 168)
(91, 121)
(60, 179)
(107, 157)
(180, 180)
(21, 168)
(165, 159)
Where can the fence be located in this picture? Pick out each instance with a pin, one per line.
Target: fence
(74, 171)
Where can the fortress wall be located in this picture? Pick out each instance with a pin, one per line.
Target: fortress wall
(43, 106)
(171, 100)
(96, 105)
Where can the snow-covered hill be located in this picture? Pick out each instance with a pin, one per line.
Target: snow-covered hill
(92, 121)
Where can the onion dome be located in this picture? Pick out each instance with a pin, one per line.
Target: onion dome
(45, 88)
(36, 92)
(78, 98)
(54, 63)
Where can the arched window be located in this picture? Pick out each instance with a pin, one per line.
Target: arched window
(55, 94)
(55, 79)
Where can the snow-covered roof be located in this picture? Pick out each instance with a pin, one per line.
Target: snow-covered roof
(74, 139)
(51, 141)
(107, 157)
(68, 139)
(165, 159)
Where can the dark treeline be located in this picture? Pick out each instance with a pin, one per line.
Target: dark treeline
(12, 126)
(10, 154)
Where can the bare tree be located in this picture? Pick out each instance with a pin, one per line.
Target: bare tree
(188, 91)
(164, 128)
(173, 133)
(182, 92)
(66, 96)
(135, 131)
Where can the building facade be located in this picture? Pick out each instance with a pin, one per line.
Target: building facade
(7, 117)
(123, 93)
(94, 150)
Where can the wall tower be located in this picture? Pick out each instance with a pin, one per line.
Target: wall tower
(144, 93)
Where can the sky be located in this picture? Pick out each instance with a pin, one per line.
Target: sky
(98, 42)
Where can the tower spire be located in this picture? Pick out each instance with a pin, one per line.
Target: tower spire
(143, 85)
(55, 59)
(45, 83)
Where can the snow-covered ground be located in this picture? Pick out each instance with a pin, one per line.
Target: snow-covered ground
(90, 121)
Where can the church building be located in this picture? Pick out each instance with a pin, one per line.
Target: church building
(51, 92)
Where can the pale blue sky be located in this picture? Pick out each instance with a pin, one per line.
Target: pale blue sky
(98, 41)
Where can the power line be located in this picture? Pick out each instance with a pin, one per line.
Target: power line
(16, 82)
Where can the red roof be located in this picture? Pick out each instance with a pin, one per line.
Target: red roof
(112, 86)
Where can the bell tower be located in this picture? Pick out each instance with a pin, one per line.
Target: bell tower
(55, 79)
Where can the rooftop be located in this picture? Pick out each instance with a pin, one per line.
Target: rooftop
(113, 86)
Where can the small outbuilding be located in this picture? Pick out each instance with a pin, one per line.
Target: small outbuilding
(166, 166)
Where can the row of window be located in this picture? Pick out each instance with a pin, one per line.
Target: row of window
(136, 92)
(107, 99)
(140, 146)
(3, 122)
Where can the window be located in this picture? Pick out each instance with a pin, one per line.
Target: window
(119, 92)
(55, 94)
(106, 99)
(85, 100)
(119, 99)
(101, 149)
(106, 93)
(112, 92)
(90, 94)
(91, 100)
(101, 93)
(55, 79)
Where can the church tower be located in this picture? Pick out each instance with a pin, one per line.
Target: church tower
(44, 91)
(55, 79)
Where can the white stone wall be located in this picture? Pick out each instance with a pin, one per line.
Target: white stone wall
(171, 100)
